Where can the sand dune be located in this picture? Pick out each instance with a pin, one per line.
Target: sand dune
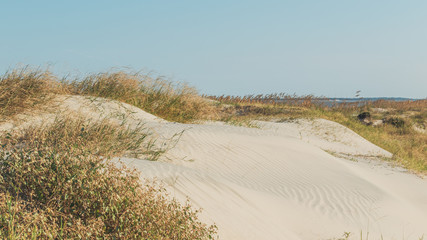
(265, 184)
(281, 181)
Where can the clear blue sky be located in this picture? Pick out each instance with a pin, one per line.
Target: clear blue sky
(329, 48)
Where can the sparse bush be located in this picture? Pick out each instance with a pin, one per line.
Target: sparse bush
(395, 121)
(58, 182)
(363, 116)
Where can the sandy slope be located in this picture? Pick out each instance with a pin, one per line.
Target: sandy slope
(278, 182)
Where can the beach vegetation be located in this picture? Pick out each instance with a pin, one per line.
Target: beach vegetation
(171, 101)
(61, 181)
(25, 88)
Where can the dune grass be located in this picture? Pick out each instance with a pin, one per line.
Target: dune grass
(58, 181)
(364, 236)
(163, 98)
(25, 88)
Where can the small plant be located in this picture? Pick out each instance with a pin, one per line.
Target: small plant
(24, 89)
(346, 235)
(241, 123)
(364, 115)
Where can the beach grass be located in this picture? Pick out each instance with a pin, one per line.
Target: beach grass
(24, 88)
(28, 88)
(60, 181)
(176, 102)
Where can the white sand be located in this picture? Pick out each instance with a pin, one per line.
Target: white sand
(278, 182)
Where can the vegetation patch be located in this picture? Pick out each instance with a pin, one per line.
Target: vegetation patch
(173, 102)
(58, 182)
(25, 88)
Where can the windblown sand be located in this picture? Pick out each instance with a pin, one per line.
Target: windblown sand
(303, 179)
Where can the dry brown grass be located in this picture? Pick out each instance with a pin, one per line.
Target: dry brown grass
(25, 88)
(173, 102)
(274, 99)
(57, 181)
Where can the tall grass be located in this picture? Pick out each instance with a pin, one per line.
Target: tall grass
(25, 88)
(57, 181)
(174, 102)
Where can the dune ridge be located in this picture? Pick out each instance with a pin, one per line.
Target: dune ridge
(278, 181)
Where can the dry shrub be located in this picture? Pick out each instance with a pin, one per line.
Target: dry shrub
(24, 88)
(395, 121)
(58, 182)
(174, 102)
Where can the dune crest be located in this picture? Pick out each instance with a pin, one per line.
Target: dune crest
(276, 182)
